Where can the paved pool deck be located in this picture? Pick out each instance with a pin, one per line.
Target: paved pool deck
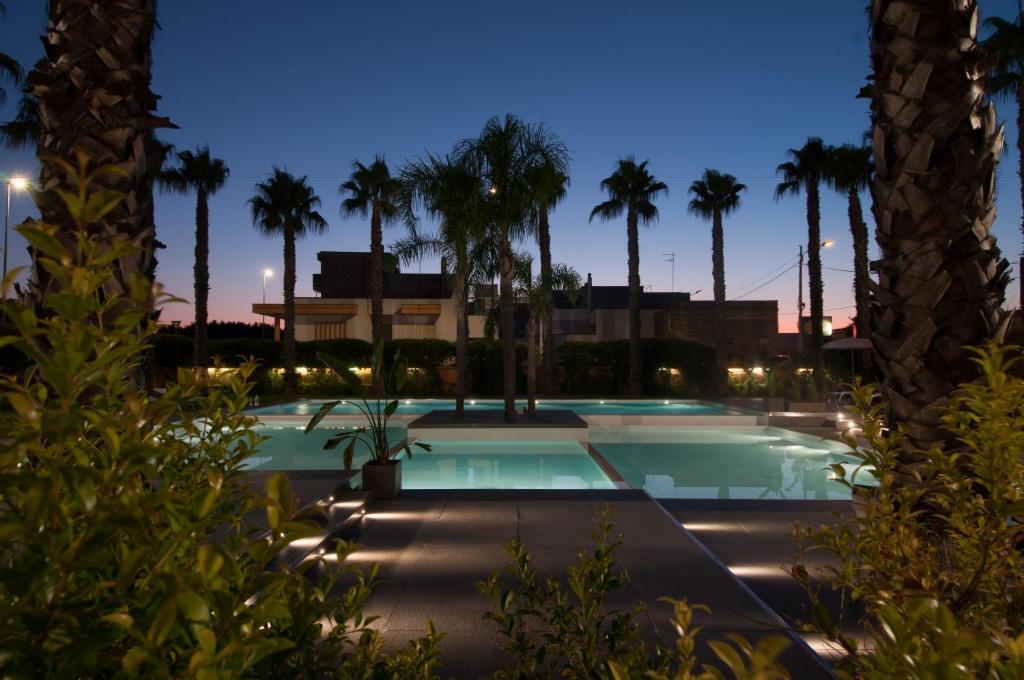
(433, 546)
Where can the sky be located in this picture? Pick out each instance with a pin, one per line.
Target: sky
(311, 85)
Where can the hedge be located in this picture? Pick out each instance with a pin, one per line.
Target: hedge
(602, 368)
(587, 368)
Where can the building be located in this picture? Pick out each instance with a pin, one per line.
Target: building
(751, 327)
(415, 305)
(421, 306)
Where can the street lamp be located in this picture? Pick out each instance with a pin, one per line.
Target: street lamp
(18, 184)
(267, 273)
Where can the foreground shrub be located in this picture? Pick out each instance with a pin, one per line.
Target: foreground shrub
(935, 565)
(566, 629)
(124, 548)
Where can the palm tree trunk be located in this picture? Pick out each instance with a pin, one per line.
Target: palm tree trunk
(718, 274)
(508, 340)
(814, 281)
(861, 277)
(376, 289)
(93, 95)
(1020, 174)
(202, 277)
(531, 364)
(547, 358)
(461, 335)
(941, 279)
(633, 247)
(289, 312)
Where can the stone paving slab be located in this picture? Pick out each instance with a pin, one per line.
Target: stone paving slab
(433, 546)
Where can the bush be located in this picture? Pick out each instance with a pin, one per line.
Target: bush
(669, 366)
(935, 561)
(567, 630)
(125, 546)
(486, 370)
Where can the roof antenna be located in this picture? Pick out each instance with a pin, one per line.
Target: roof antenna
(671, 257)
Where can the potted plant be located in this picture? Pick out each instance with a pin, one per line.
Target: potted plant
(382, 474)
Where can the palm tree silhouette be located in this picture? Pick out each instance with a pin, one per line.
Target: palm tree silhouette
(631, 189)
(286, 206)
(715, 195)
(206, 176)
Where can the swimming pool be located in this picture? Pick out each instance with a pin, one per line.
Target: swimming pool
(450, 465)
(730, 463)
(668, 407)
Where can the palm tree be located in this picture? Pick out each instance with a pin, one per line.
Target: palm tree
(115, 125)
(549, 188)
(23, 131)
(1005, 48)
(715, 195)
(805, 172)
(504, 155)
(848, 170)
(941, 278)
(206, 175)
(372, 190)
(537, 294)
(631, 189)
(10, 69)
(453, 195)
(287, 206)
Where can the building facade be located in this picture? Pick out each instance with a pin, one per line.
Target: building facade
(418, 306)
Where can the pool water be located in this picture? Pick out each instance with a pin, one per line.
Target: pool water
(449, 465)
(668, 407)
(503, 465)
(731, 463)
(288, 447)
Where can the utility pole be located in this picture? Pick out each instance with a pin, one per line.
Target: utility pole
(671, 257)
(800, 305)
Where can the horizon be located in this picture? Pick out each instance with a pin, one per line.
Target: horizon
(663, 82)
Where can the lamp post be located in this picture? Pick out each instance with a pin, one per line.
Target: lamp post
(827, 243)
(267, 273)
(19, 184)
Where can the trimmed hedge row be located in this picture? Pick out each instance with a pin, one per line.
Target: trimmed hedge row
(677, 367)
(668, 366)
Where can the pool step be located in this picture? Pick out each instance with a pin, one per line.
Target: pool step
(333, 514)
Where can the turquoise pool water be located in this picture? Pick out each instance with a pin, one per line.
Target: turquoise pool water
(668, 407)
(288, 447)
(450, 465)
(732, 463)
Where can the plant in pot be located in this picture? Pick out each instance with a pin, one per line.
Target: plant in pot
(382, 474)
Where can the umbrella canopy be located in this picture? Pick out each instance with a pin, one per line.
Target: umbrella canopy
(848, 343)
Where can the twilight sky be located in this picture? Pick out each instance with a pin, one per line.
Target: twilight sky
(313, 84)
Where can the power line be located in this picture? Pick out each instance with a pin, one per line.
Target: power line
(765, 276)
(779, 275)
(836, 269)
(831, 309)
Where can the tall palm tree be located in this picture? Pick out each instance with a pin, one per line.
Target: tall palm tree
(206, 176)
(549, 189)
(1005, 49)
(93, 94)
(23, 131)
(631, 189)
(941, 279)
(286, 206)
(504, 155)
(10, 69)
(715, 195)
(372, 190)
(453, 195)
(805, 172)
(848, 171)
